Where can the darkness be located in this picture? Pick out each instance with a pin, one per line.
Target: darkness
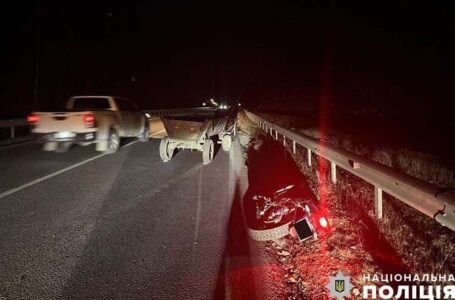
(377, 57)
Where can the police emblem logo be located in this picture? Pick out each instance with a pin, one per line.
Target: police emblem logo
(339, 286)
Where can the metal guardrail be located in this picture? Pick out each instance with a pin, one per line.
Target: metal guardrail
(163, 112)
(12, 124)
(427, 198)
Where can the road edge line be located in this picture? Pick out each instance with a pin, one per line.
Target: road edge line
(46, 177)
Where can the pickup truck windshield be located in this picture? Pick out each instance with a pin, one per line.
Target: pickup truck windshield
(90, 104)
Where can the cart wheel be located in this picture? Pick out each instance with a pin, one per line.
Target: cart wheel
(165, 149)
(207, 151)
(226, 143)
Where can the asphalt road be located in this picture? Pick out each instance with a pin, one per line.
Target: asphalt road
(117, 226)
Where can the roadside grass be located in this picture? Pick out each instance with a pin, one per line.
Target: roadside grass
(248, 134)
(425, 246)
(404, 241)
(425, 166)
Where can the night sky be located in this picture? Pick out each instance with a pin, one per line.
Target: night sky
(386, 57)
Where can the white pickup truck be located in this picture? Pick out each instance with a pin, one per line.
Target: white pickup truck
(103, 120)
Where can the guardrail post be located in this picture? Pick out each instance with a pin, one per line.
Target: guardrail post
(284, 140)
(276, 134)
(378, 202)
(308, 154)
(293, 147)
(333, 172)
(12, 132)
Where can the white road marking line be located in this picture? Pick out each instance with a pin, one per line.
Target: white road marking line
(41, 179)
(156, 133)
(129, 144)
(198, 211)
(9, 146)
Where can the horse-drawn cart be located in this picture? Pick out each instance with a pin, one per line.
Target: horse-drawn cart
(198, 131)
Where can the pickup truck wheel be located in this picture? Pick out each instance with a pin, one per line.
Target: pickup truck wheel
(50, 146)
(226, 143)
(166, 151)
(62, 147)
(145, 135)
(113, 142)
(208, 150)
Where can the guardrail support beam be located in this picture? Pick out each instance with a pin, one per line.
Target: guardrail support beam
(293, 147)
(378, 202)
(276, 134)
(12, 132)
(308, 154)
(284, 140)
(333, 172)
